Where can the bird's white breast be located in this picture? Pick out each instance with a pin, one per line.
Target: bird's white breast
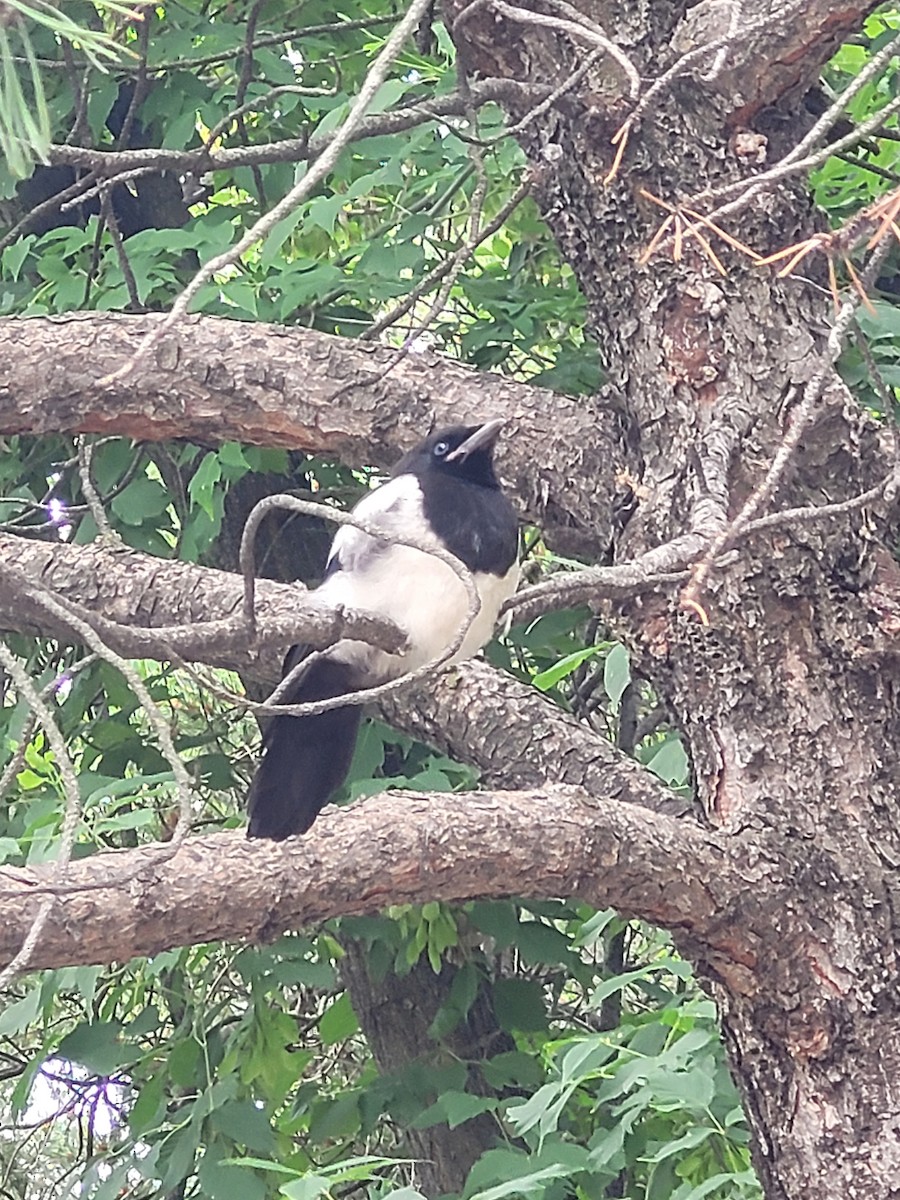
(417, 591)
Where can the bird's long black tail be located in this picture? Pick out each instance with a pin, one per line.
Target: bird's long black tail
(305, 759)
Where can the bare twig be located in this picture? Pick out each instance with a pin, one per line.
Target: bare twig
(17, 761)
(682, 67)
(797, 159)
(141, 84)
(473, 237)
(109, 218)
(258, 102)
(454, 262)
(244, 78)
(86, 633)
(656, 568)
(578, 26)
(556, 95)
(71, 196)
(97, 511)
(734, 24)
(798, 423)
(110, 163)
(808, 514)
(668, 564)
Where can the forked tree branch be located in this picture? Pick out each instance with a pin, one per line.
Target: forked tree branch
(397, 848)
(514, 735)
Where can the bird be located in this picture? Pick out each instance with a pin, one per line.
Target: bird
(443, 493)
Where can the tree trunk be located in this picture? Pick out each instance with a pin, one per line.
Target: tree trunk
(395, 1014)
(787, 699)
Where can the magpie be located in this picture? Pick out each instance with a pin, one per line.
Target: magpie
(443, 493)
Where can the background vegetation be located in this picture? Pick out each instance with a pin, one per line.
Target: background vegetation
(239, 1072)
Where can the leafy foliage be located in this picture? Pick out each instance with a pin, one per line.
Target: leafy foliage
(242, 1072)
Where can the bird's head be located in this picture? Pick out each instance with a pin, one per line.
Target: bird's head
(465, 452)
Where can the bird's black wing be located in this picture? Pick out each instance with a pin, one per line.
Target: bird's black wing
(305, 759)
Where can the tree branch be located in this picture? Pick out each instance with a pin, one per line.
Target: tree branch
(395, 848)
(148, 607)
(110, 163)
(214, 380)
(512, 733)
(519, 739)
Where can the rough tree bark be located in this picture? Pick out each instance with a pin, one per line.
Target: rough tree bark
(401, 848)
(787, 699)
(274, 386)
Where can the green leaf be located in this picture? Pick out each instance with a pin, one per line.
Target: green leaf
(695, 1136)
(203, 482)
(497, 918)
(338, 1022)
(616, 672)
(149, 1106)
(525, 1185)
(335, 1119)
(541, 943)
(310, 1187)
(455, 1108)
(670, 762)
(512, 1068)
(16, 1017)
(143, 500)
(545, 680)
(220, 1180)
(97, 1046)
(245, 1124)
(519, 1005)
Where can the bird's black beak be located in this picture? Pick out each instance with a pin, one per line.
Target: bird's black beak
(484, 435)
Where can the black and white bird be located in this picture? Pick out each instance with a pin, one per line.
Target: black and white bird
(444, 493)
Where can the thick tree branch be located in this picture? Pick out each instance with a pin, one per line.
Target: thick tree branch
(148, 607)
(513, 734)
(519, 739)
(215, 380)
(391, 849)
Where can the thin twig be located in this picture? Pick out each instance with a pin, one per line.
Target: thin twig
(659, 567)
(459, 256)
(108, 216)
(580, 27)
(259, 102)
(17, 761)
(807, 514)
(97, 511)
(798, 422)
(473, 235)
(90, 638)
(548, 102)
(71, 196)
(734, 25)
(681, 67)
(797, 159)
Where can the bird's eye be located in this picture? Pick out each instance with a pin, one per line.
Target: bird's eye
(441, 449)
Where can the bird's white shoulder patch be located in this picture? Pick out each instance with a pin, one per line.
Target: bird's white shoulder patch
(395, 506)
